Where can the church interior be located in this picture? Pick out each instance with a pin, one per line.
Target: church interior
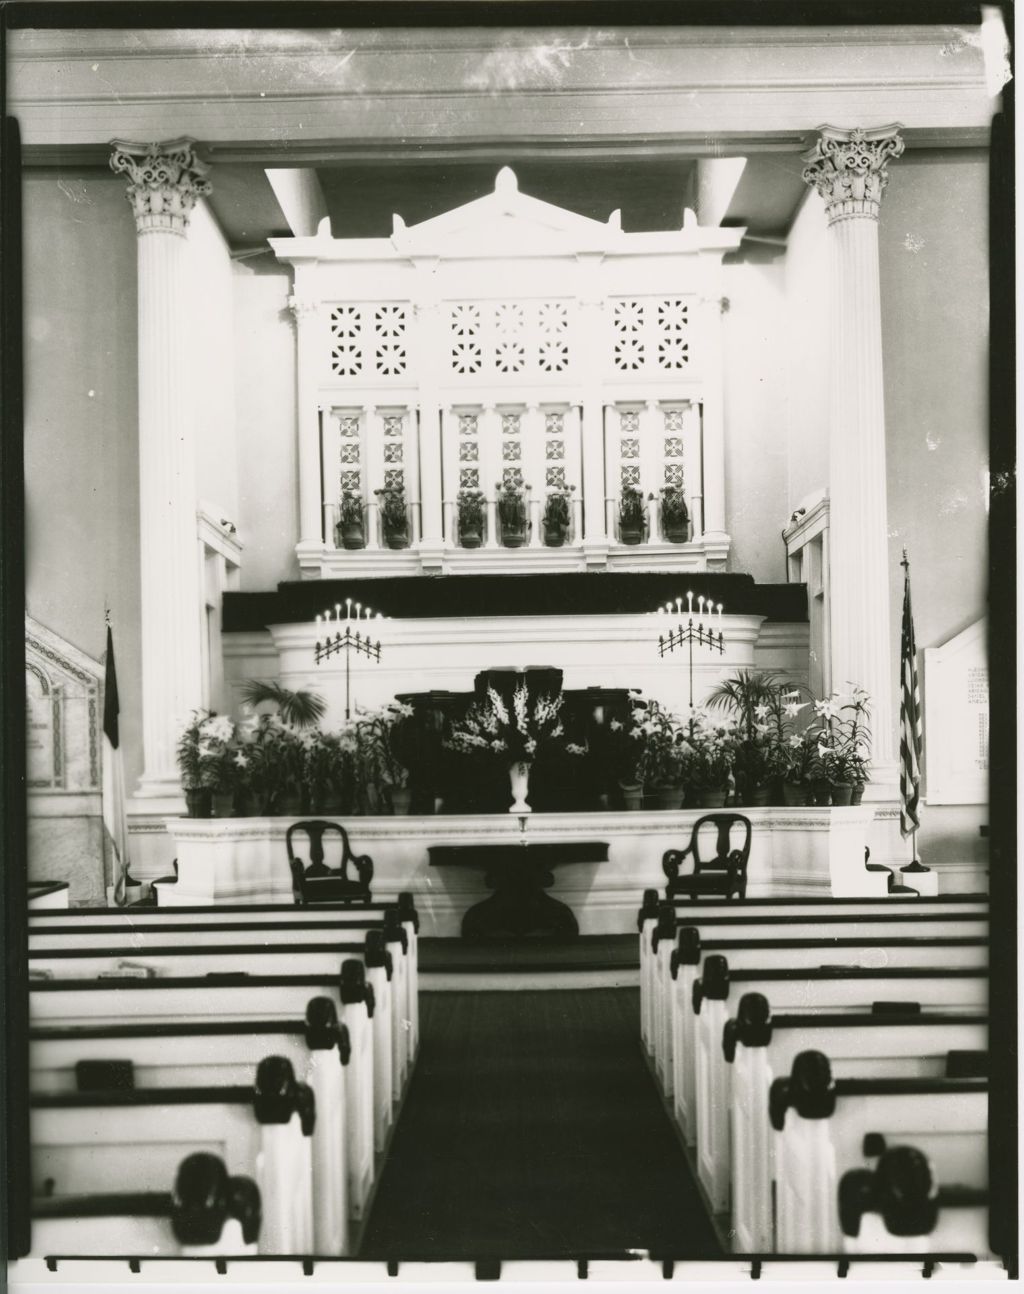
(473, 482)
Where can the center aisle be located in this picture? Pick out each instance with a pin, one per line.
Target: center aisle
(532, 1128)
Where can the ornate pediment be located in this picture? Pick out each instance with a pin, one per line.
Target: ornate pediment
(504, 223)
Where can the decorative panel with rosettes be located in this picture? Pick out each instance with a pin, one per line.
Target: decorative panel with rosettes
(649, 335)
(370, 340)
(510, 339)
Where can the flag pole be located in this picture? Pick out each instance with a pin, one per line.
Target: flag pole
(909, 724)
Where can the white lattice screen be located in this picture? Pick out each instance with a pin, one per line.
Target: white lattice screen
(370, 340)
(649, 335)
(500, 339)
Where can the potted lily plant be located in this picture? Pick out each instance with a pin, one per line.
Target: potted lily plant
(675, 516)
(351, 522)
(512, 514)
(470, 507)
(202, 751)
(631, 515)
(709, 756)
(556, 518)
(394, 517)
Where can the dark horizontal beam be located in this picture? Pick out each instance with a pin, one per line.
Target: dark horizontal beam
(426, 597)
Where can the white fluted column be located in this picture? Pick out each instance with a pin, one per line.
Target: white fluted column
(164, 182)
(716, 539)
(591, 331)
(848, 169)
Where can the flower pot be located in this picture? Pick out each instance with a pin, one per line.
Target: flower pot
(858, 793)
(396, 538)
(630, 534)
(352, 536)
(632, 795)
(471, 538)
(241, 806)
(198, 802)
(513, 538)
(519, 784)
(676, 534)
(822, 792)
(223, 805)
(401, 798)
(554, 538)
(712, 799)
(794, 794)
(289, 805)
(668, 797)
(760, 797)
(842, 793)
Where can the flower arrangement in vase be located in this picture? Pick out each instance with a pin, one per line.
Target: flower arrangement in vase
(556, 518)
(470, 508)
(675, 516)
(511, 499)
(351, 520)
(394, 517)
(513, 733)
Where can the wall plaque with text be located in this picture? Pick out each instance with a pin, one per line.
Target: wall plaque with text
(956, 719)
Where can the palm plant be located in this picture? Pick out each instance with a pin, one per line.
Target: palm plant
(299, 709)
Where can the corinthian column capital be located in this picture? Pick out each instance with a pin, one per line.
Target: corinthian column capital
(848, 168)
(164, 182)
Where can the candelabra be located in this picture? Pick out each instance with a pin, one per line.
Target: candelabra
(686, 635)
(342, 636)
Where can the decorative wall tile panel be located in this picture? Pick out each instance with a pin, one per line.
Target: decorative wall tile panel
(512, 478)
(630, 475)
(510, 424)
(394, 479)
(393, 425)
(350, 453)
(349, 426)
(469, 452)
(629, 422)
(629, 449)
(673, 447)
(554, 449)
(674, 475)
(469, 478)
(393, 453)
(555, 477)
(467, 424)
(554, 423)
(673, 420)
(512, 451)
(351, 481)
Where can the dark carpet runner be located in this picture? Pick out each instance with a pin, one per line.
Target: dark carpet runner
(533, 1129)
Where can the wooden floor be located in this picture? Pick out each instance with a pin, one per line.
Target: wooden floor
(532, 1129)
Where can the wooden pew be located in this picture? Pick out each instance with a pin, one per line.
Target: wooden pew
(134, 1140)
(219, 1054)
(208, 1214)
(234, 959)
(267, 923)
(768, 911)
(760, 1047)
(197, 1000)
(716, 996)
(822, 1124)
(899, 1207)
(799, 945)
(677, 1042)
(135, 946)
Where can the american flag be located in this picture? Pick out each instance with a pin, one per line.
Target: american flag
(910, 717)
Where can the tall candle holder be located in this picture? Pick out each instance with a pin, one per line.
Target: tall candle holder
(686, 635)
(346, 637)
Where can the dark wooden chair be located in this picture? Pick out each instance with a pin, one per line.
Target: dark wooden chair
(319, 883)
(725, 875)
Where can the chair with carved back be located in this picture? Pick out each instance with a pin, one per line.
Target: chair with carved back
(319, 883)
(724, 875)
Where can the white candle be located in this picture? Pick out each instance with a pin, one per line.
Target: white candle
(719, 617)
(348, 608)
(679, 606)
(700, 604)
(689, 603)
(337, 611)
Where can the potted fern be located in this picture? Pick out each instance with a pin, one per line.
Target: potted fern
(470, 506)
(675, 516)
(512, 515)
(556, 516)
(631, 515)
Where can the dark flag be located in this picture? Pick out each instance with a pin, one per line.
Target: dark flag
(115, 822)
(910, 716)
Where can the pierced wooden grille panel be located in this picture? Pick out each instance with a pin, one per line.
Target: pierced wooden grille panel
(370, 340)
(649, 335)
(510, 339)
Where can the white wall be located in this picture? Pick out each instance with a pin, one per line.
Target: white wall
(756, 341)
(268, 522)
